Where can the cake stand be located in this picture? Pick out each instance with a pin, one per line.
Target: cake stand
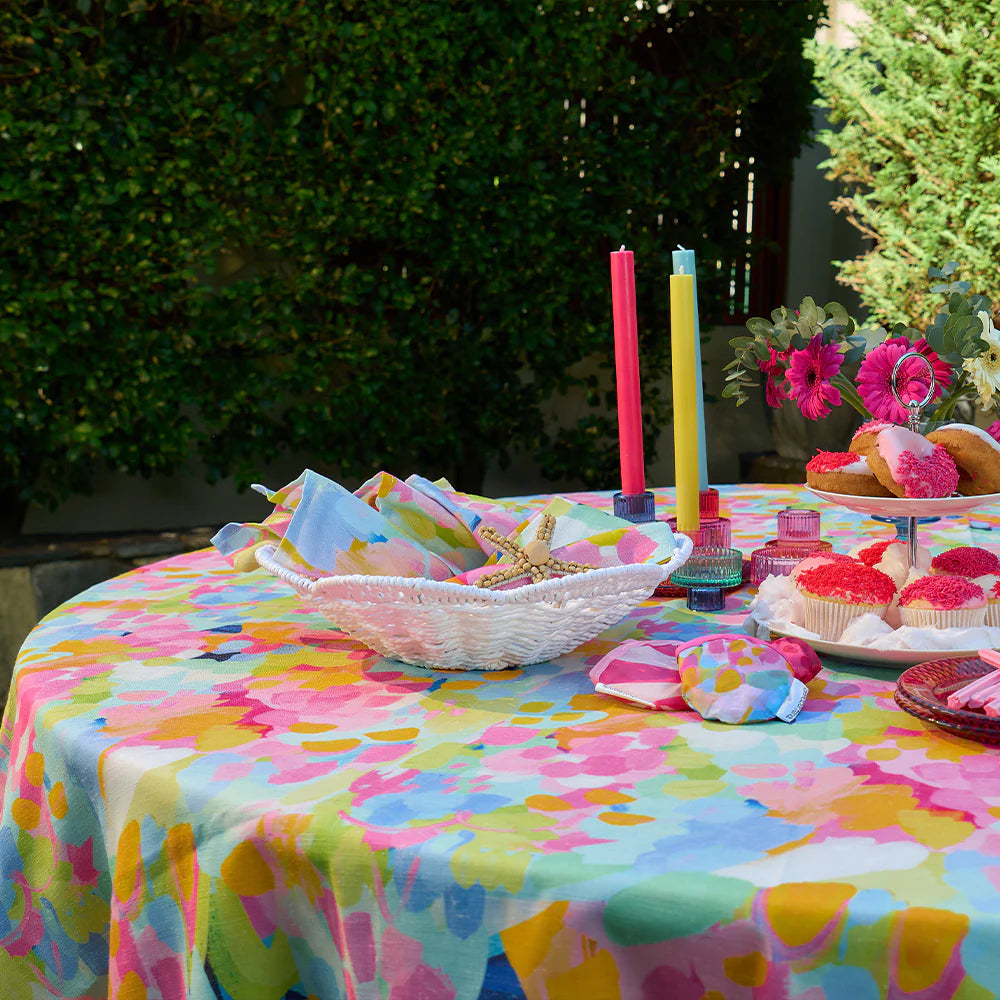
(906, 514)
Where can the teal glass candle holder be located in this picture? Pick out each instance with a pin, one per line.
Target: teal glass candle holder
(707, 574)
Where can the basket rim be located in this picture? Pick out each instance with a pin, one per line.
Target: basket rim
(437, 588)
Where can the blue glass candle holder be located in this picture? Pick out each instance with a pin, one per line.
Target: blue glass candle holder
(639, 508)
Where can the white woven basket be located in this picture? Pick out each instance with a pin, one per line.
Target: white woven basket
(456, 627)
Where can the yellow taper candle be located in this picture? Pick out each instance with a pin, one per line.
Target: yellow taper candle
(682, 356)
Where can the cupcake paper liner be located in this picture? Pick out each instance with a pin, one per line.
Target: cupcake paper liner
(828, 618)
(942, 617)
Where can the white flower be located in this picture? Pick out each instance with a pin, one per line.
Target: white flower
(985, 368)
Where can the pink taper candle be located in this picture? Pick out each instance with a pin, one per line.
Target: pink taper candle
(627, 371)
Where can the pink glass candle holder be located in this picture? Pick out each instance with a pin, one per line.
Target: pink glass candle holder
(713, 531)
(798, 537)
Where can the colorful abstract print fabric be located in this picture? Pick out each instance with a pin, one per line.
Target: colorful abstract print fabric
(417, 528)
(210, 793)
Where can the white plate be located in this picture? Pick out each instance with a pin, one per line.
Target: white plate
(907, 507)
(879, 657)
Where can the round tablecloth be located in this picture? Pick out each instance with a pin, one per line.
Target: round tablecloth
(210, 792)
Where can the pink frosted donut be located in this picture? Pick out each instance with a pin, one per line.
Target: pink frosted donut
(908, 465)
(976, 453)
(864, 437)
(843, 472)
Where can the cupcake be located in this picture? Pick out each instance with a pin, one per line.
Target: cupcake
(890, 556)
(976, 564)
(993, 605)
(969, 561)
(836, 593)
(819, 559)
(940, 601)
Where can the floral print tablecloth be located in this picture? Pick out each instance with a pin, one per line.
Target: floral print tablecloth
(208, 792)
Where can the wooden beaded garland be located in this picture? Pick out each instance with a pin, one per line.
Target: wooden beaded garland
(532, 559)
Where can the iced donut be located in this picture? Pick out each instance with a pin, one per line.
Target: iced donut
(843, 472)
(864, 437)
(976, 454)
(908, 465)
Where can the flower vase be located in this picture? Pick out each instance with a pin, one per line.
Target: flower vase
(798, 439)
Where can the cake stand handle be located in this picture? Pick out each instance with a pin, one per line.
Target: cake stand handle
(914, 407)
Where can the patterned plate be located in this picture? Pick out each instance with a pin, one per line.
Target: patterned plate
(907, 506)
(923, 690)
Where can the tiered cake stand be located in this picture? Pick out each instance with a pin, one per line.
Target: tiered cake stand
(906, 514)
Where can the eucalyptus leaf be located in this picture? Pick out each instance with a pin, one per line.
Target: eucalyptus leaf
(807, 311)
(759, 327)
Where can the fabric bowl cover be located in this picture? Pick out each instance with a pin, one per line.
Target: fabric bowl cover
(734, 678)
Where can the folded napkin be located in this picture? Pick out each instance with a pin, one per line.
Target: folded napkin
(418, 528)
(588, 536)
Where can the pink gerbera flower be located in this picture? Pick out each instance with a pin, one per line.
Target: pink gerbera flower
(875, 378)
(809, 374)
(774, 392)
(773, 368)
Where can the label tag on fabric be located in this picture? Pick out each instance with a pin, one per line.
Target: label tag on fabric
(793, 703)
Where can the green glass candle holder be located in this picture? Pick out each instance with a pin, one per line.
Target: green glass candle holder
(707, 574)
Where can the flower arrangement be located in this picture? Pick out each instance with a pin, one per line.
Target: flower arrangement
(809, 355)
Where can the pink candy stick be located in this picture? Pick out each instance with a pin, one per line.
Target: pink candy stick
(979, 699)
(961, 697)
(990, 656)
(992, 708)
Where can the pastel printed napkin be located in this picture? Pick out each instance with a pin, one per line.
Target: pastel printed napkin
(418, 528)
(589, 536)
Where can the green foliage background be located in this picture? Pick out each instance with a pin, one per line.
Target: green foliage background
(915, 110)
(377, 231)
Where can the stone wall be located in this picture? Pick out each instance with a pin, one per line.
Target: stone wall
(38, 573)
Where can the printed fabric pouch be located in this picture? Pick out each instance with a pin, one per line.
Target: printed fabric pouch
(734, 678)
(761, 674)
(642, 672)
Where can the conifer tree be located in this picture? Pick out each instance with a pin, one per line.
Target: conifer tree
(914, 110)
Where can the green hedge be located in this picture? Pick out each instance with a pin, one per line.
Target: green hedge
(374, 230)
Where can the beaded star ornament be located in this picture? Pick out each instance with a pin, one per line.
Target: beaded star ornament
(533, 559)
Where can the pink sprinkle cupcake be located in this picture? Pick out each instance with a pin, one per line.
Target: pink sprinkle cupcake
(993, 605)
(819, 559)
(891, 557)
(966, 560)
(942, 602)
(837, 593)
(976, 564)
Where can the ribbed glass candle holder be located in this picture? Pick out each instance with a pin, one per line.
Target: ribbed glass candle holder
(706, 574)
